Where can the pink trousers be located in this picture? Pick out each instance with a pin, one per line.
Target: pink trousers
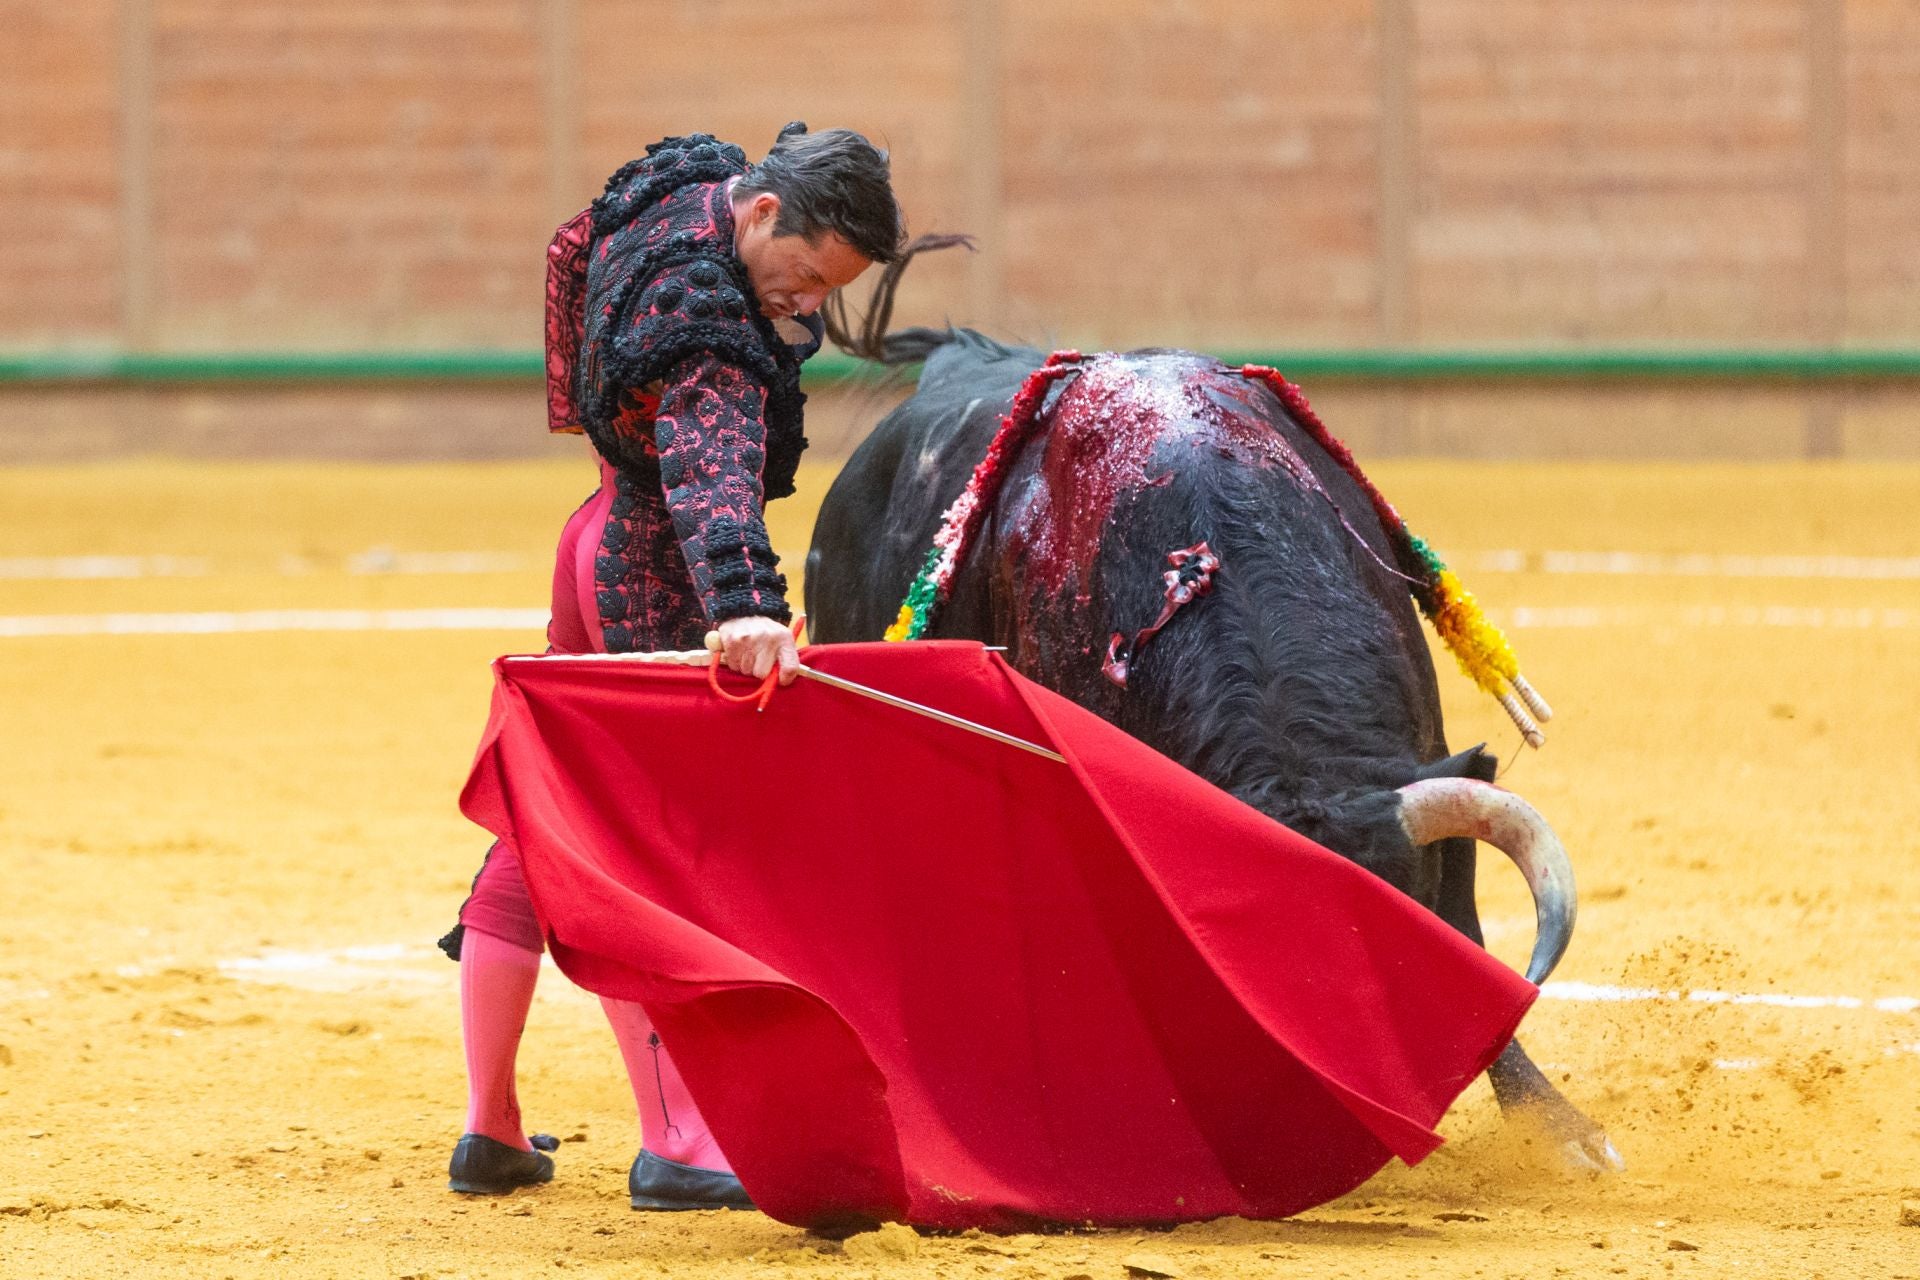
(499, 904)
(498, 974)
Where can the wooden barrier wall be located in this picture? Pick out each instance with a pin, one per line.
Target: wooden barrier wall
(329, 174)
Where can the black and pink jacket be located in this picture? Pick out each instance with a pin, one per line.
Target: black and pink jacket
(657, 350)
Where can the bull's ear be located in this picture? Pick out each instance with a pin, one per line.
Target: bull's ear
(1475, 762)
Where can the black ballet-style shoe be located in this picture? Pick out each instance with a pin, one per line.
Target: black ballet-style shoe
(658, 1183)
(484, 1167)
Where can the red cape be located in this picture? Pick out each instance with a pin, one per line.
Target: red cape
(911, 973)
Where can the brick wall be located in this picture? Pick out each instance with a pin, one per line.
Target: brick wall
(59, 173)
(216, 174)
(1192, 174)
(1882, 219)
(338, 173)
(1627, 172)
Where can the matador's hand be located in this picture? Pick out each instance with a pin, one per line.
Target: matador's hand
(755, 646)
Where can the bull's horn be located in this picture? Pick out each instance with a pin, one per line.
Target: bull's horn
(1439, 808)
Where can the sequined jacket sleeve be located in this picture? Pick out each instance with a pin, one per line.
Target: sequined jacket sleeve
(711, 434)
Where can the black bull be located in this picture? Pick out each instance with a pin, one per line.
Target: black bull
(1301, 684)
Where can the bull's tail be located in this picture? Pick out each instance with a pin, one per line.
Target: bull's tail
(870, 340)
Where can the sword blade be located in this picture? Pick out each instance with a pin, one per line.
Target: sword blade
(944, 717)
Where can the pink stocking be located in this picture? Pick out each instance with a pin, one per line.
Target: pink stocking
(670, 1125)
(496, 990)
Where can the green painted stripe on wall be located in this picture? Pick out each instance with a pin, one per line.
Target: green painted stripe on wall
(124, 368)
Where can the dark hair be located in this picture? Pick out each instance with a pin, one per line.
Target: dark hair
(833, 181)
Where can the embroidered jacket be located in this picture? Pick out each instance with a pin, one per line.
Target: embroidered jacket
(656, 348)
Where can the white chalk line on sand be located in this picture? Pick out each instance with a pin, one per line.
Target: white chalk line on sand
(93, 568)
(1762, 617)
(1696, 564)
(389, 962)
(372, 562)
(240, 622)
(269, 620)
(379, 560)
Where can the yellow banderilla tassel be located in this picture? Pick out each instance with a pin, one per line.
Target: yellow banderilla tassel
(902, 625)
(1484, 654)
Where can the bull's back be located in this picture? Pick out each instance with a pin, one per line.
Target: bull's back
(879, 517)
(1148, 455)
(1139, 456)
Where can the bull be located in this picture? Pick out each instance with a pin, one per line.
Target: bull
(1301, 684)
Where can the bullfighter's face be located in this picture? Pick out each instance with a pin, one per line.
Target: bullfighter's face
(791, 274)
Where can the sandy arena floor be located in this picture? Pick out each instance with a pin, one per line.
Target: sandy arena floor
(228, 1049)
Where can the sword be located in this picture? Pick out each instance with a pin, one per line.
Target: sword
(932, 713)
(704, 658)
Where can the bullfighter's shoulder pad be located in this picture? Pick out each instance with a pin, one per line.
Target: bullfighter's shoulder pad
(669, 164)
